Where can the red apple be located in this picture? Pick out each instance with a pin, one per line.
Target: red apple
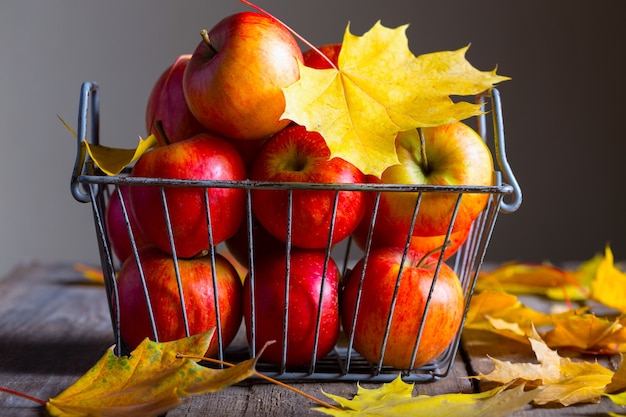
(234, 80)
(312, 58)
(454, 155)
(203, 157)
(306, 278)
(117, 228)
(198, 292)
(167, 104)
(442, 320)
(297, 155)
(385, 237)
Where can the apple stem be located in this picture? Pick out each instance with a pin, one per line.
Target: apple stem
(21, 394)
(161, 136)
(430, 253)
(296, 34)
(424, 163)
(205, 37)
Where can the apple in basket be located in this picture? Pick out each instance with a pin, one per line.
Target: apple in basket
(306, 278)
(117, 227)
(196, 277)
(452, 155)
(312, 58)
(297, 155)
(382, 237)
(234, 80)
(441, 321)
(203, 157)
(167, 104)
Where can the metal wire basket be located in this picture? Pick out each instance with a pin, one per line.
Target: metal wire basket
(88, 184)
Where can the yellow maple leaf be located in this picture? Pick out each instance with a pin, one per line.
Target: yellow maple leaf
(588, 333)
(112, 161)
(148, 382)
(395, 399)
(562, 379)
(609, 284)
(380, 88)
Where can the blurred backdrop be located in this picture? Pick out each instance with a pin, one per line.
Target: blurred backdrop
(563, 109)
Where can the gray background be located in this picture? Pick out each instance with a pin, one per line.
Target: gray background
(563, 109)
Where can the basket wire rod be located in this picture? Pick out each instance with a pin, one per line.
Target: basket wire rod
(283, 363)
(431, 291)
(106, 260)
(251, 271)
(394, 296)
(89, 100)
(320, 301)
(500, 151)
(216, 295)
(179, 281)
(367, 250)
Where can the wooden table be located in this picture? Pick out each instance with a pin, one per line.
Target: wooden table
(54, 326)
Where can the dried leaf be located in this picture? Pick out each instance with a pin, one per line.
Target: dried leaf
(378, 89)
(588, 334)
(609, 284)
(112, 161)
(563, 380)
(395, 399)
(90, 273)
(148, 382)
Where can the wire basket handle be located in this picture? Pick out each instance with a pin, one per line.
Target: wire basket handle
(515, 199)
(89, 90)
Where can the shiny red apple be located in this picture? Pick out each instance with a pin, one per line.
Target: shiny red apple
(312, 58)
(167, 104)
(441, 321)
(297, 155)
(165, 300)
(306, 278)
(203, 157)
(234, 80)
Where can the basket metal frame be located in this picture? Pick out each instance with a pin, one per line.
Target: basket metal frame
(88, 184)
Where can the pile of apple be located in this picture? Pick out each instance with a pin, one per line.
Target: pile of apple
(216, 114)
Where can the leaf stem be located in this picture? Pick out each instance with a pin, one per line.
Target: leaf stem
(267, 378)
(21, 394)
(296, 34)
(424, 164)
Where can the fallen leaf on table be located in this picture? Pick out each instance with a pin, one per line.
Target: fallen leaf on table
(380, 88)
(563, 380)
(395, 399)
(90, 273)
(148, 382)
(540, 279)
(588, 333)
(609, 283)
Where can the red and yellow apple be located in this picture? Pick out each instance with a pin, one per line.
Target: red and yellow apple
(306, 278)
(117, 229)
(234, 80)
(167, 104)
(203, 157)
(312, 58)
(441, 321)
(297, 155)
(453, 155)
(165, 300)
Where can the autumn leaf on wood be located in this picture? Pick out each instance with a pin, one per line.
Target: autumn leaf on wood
(526, 278)
(148, 382)
(609, 283)
(588, 333)
(395, 399)
(380, 88)
(112, 161)
(562, 379)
